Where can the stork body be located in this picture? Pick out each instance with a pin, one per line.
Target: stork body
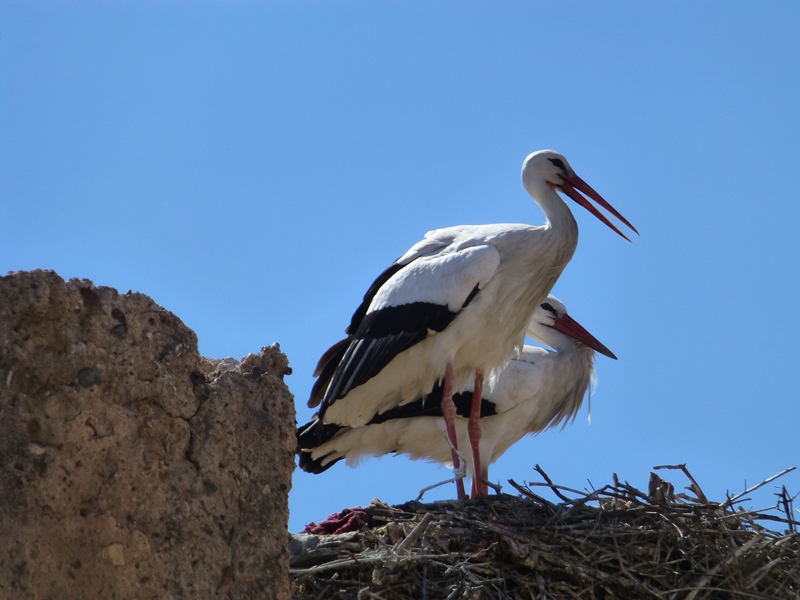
(445, 294)
(539, 389)
(452, 308)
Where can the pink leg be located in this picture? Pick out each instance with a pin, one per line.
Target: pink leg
(449, 413)
(474, 427)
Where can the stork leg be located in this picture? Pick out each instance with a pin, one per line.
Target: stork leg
(479, 488)
(449, 413)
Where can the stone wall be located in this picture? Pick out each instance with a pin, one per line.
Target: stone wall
(130, 466)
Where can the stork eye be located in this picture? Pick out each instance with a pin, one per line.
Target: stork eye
(547, 305)
(558, 163)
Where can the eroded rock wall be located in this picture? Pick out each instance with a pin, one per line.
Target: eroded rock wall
(131, 467)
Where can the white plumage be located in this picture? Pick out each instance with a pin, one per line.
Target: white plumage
(455, 306)
(539, 389)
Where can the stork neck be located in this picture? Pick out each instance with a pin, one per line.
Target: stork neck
(562, 344)
(559, 216)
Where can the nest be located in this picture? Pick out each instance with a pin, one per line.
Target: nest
(614, 542)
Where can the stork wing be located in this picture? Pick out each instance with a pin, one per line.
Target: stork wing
(330, 359)
(431, 406)
(315, 433)
(435, 241)
(414, 300)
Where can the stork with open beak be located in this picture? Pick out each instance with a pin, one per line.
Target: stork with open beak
(452, 308)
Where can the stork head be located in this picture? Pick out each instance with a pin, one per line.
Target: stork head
(552, 325)
(547, 169)
(545, 166)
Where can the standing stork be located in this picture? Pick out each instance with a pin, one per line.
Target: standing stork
(539, 389)
(454, 307)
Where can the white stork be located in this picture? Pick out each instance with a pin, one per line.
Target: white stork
(455, 306)
(539, 389)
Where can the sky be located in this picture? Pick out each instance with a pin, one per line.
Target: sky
(253, 166)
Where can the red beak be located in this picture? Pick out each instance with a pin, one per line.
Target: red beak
(573, 184)
(576, 331)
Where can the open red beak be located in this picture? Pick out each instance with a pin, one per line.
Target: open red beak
(573, 184)
(575, 330)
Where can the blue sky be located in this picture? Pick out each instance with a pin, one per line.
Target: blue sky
(254, 166)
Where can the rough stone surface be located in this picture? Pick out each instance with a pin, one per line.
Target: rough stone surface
(130, 466)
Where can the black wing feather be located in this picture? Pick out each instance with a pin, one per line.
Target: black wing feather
(431, 406)
(355, 320)
(309, 436)
(326, 367)
(382, 335)
(315, 433)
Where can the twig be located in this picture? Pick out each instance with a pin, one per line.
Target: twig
(364, 559)
(415, 533)
(733, 499)
(560, 487)
(553, 486)
(787, 503)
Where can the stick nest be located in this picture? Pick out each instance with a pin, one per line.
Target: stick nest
(615, 542)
